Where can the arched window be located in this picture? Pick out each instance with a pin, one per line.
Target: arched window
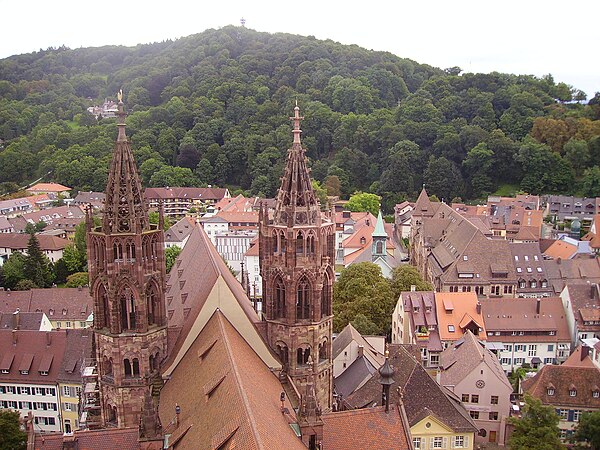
(282, 352)
(107, 363)
(310, 244)
(127, 304)
(326, 297)
(104, 319)
(533, 283)
(282, 241)
(112, 414)
(117, 251)
(154, 361)
(280, 310)
(299, 244)
(127, 368)
(130, 247)
(275, 240)
(323, 350)
(379, 248)
(303, 299)
(302, 356)
(152, 305)
(136, 367)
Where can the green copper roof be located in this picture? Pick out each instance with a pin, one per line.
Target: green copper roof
(379, 229)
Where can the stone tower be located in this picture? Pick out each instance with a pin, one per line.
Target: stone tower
(126, 264)
(296, 260)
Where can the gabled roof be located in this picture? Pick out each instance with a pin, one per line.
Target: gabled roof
(200, 283)
(121, 438)
(350, 334)
(370, 428)
(421, 394)
(423, 206)
(17, 347)
(464, 356)
(564, 378)
(354, 376)
(520, 314)
(561, 249)
(181, 230)
(564, 271)
(459, 315)
(235, 396)
(192, 193)
(19, 241)
(48, 187)
(26, 320)
(56, 303)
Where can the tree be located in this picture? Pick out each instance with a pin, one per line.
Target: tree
(588, 430)
(78, 279)
(320, 193)
(536, 429)
(404, 277)
(37, 265)
(590, 183)
(362, 201)
(363, 290)
(13, 270)
(73, 260)
(443, 179)
(171, 255)
(11, 435)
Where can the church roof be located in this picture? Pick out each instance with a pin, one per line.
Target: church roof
(423, 205)
(235, 397)
(121, 438)
(199, 283)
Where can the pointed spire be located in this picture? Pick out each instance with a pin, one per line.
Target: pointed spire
(124, 207)
(386, 372)
(423, 204)
(296, 200)
(297, 118)
(379, 227)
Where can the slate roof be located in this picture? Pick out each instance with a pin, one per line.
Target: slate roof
(27, 320)
(584, 379)
(420, 393)
(354, 376)
(180, 230)
(363, 429)
(584, 303)
(78, 349)
(235, 397)
(213, 194)
(108, 438)
(465, 355)
(349, 334)
(561, 272)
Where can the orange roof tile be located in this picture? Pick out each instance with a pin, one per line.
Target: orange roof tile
(48, 187)
(561, 249)
(464, 311)
(369, 428)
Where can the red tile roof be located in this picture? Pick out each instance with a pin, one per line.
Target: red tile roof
(48, 187)
(19, 241)
(369, 428)
(56, 303)
(109, 438)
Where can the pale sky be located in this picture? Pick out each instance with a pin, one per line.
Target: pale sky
(534, 37)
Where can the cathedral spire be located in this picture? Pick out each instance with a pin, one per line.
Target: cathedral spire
(297, 202)
(124, 208)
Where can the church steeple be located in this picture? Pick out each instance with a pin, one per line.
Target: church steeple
(296, 253)
(296, 200)
(126, 263)
(124, 208)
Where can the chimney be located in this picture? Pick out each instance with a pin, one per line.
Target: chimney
(538, 306)
(558, 260)
(585, 351)
(594, 293)
(478, 307)
(361, 351)
(48, 338)
(16, 320)
(413, 287)
(14, 337)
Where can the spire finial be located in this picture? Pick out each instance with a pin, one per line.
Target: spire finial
(297, 118)
(122, 137)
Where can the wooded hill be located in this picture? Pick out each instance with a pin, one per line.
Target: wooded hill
(213, 108)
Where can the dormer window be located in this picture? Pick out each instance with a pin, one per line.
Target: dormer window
(572, 392)
(44, 372)
(550, 391)
(596, 394)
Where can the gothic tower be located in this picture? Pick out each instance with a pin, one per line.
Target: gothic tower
(126, 264)
(296, 262)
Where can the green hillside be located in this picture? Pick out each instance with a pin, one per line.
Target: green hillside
(213, 108)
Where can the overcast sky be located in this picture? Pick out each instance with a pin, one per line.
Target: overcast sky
(526, 36)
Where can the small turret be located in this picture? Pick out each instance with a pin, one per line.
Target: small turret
(386, 372)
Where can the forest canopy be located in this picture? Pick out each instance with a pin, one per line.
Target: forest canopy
(213, 108)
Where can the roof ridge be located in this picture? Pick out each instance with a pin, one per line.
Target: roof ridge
(237, 376)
